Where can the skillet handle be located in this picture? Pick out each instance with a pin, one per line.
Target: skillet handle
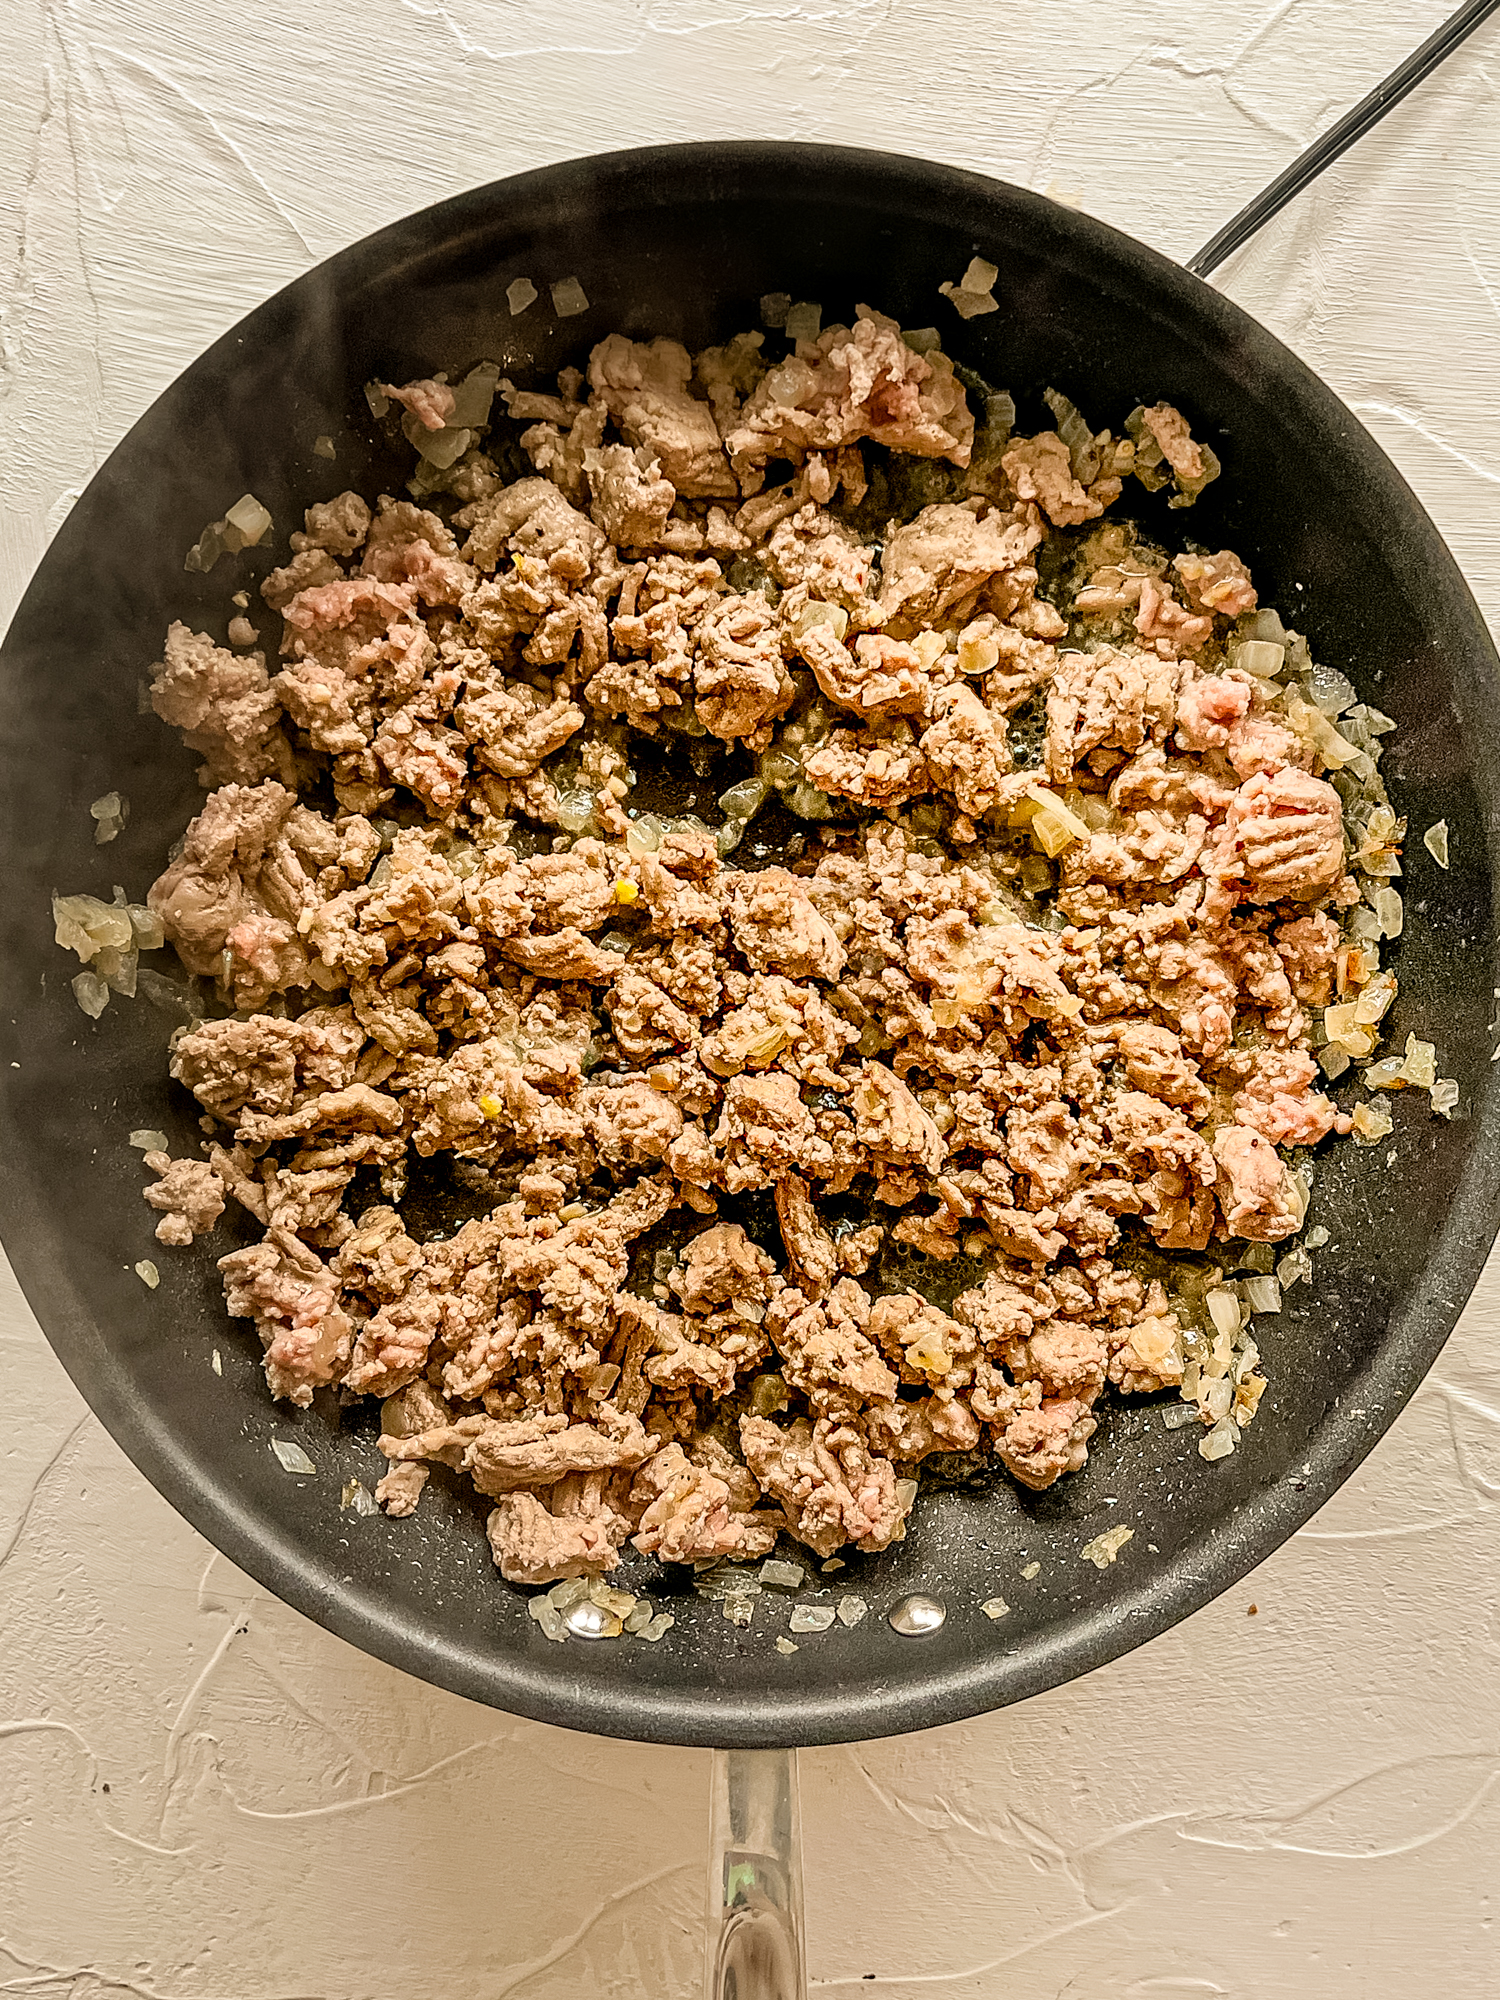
(755, 1878)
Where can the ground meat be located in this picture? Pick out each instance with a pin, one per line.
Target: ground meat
(966, 750)
(293, 1299)
(225, 706)
(1169, 428)
(1040, 469)
(534, 1543)
(1107, 699)
(1279, 1102)
(1283, 837)
(916, 994)
(645, 387)
(830, 1486)
(853, 383)
(935, 567)
(741, 682)
(766, 1130)
(1218, 583)
(1040, 1444)
(877, 768)
(688, 1513)
(1254, 1187)
(190, 1194)
(207, 899)
(812, 1259)
(631, 501)
(825, 1352)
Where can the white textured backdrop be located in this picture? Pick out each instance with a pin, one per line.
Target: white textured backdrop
(202, 1797)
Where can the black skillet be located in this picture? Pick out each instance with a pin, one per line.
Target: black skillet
(684, 241)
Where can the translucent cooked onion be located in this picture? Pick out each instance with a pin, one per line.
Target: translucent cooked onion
(969, 304)
(774, 307)
(1220, 1442)
(441, 448)
(1330, 691)
(1075, 434)
(87, 926)
(293, 1457)
(744, 800)
(1262, 1295)
(1103, 1549)
(91, 993)
(1444, 1096)
(472, 397)
(323, 447)
(803, 322)
(569, 298)
(1223, 1310)
(1054, 826)
(1435, 840)
(1388, 1073)
(1374, 1002)
(1260, 657)
(1388, 911)
(250, 520)
(782, 1575)
(1419, 1064)
(1372, 1121)
(643, 835)
(1267, 627)
(816, 613)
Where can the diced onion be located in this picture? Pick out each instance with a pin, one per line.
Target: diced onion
(1261, 658)
(1103, 1549)
(91, 993)
(1372, 1121)
(249, 519)
(1267, 627)
(811, 1617)
(519, 294)
(1220, 1442)
(1263, 1295)
(1419, 1065)
(293, 1457)
(1223, 1310)
(1444, 1096)
(1330, 691)
(569, 298)
(803, 322)
(1294, 1268)
(1435, 840)
(967, 304)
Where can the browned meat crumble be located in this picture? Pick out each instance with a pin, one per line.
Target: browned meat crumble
(957, 1012)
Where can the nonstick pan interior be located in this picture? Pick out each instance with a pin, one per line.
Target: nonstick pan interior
(684, 241)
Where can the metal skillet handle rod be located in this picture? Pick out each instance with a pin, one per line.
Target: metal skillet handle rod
(755, 1878)
(1340, 137)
